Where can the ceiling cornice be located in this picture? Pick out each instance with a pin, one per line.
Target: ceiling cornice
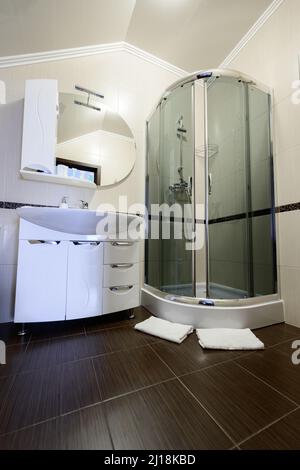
(63, 54)
(252, 31)
(154, 60)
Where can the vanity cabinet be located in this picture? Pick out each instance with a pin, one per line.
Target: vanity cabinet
(84, 280)
(70, 279)
(41, 281)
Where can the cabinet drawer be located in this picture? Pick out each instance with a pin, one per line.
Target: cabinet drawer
(120, 298)
(121, 252)
(121, 274)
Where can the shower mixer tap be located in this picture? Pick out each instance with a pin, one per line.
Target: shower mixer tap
(180, 129)
(182, 185)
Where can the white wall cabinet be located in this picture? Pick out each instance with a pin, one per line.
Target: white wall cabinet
(41, 281)
(40, 125)
(84, 286)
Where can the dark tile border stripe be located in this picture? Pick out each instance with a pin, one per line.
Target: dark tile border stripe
(294, 206)
(16, 205)
(174, 219)
(257, 213)
(242, 215)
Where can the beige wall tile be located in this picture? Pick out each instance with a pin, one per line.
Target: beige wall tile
(288, 171)
(271, 57)
(289, 236)
(290, 288)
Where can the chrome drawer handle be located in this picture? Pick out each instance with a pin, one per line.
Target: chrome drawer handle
(122, 243)
(86, 243)
(122, 265)
(120, 288)
(46, 242)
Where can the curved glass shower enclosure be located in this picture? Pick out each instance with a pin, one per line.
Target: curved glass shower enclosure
(210, 193)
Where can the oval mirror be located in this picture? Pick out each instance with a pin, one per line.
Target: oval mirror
(92, 138)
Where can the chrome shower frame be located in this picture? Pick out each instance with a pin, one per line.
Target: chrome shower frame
(251, 312)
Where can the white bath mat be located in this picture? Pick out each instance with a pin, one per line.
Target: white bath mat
(228, 338)
(165, 329)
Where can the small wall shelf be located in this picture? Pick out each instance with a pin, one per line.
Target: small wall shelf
(49, 178)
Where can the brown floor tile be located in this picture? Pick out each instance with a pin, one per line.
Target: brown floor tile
(83, 430)
(50, 330)
(274, 334)
(5, 385)
(166, 417)
(275, 367)
(129, 370)
(288, 349)
(14, 358)
(283, 435)
(48, 353)
(78, 386)
(45, 393)
(33, 397)
(103, 322)
(241, 403)
(56, 375)
(115, 320)
(189, 356)
(117, 339)
(9, 334)
(40, 437)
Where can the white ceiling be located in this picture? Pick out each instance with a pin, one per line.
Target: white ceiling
(191, 34)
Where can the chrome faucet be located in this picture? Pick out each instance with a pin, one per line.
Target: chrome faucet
(84, 204)
(64, 202)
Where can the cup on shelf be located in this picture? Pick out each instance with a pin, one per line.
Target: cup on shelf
(62, 170)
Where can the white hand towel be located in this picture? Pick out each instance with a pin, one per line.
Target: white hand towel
(228, 338)
(165, 329)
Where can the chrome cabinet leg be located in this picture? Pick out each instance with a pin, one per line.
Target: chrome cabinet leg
(131, 314)
(22, 331)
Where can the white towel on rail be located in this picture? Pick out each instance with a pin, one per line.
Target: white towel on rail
(228, 338)
(165, 329)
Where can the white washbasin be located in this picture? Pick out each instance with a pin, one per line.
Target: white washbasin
(76, 221)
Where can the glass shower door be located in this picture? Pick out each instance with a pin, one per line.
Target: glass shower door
(176, 192)
(227, 195)
(261, 179)
(169, 186)
(152, 243)
(240, 194)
